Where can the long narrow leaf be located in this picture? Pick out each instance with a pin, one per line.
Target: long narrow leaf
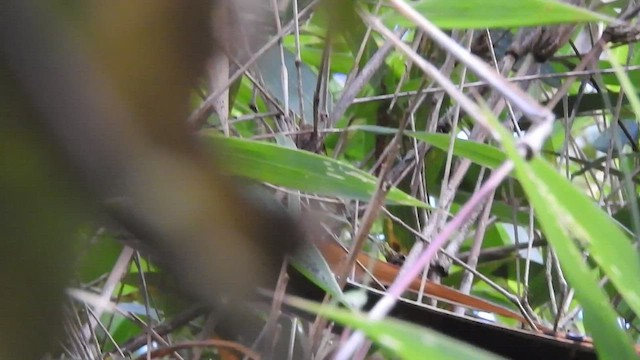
(298, 169)
(566, 215)
(470, 14)
(404, 340)
(481, 154)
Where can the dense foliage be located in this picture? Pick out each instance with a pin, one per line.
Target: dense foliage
(487, 146)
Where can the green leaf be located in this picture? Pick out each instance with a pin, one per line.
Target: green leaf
(298, 169)
(98, 257)
(566, 214)
(270, 67)
(121, 330)
(479, 153)
(476, 14)
(595, 230)
(404, 340)
(310, 263)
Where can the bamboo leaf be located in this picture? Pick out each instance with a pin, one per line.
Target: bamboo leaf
(479, 153)
(566, 215)
(298, 169)
(475, 14)
(404, 340)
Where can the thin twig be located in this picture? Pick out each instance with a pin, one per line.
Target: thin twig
(401, 283)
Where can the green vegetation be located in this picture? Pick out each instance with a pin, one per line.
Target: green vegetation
(495, 141)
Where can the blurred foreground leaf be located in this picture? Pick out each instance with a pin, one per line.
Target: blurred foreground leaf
(404, 340)
(475, 14)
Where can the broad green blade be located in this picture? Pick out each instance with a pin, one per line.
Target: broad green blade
(406, 341)
(298, 169)
(270, 67)
(566, 215)
(312, 265)
(477, 14)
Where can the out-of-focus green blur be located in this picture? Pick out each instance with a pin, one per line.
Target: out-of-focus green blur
(93, 107)
(40, 210)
